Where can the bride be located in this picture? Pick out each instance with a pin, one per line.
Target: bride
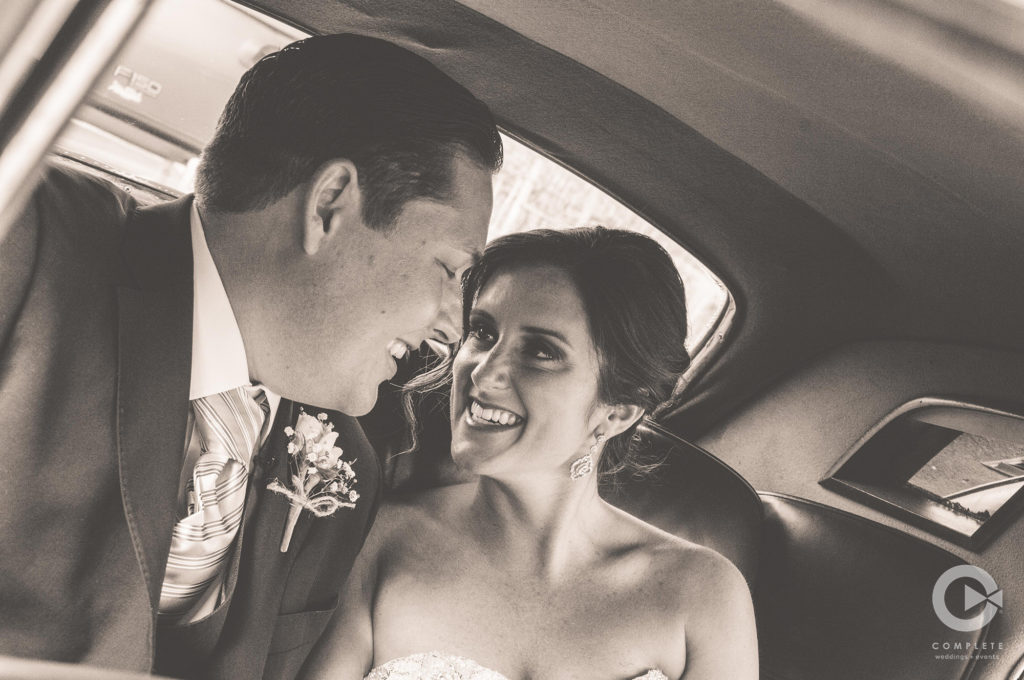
(525, 572)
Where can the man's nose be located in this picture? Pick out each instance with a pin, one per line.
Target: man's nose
(448, 325)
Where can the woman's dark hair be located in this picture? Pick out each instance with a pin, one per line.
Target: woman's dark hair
(636, 311)
(396, 116)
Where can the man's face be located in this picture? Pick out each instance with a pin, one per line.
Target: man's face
(386, 293)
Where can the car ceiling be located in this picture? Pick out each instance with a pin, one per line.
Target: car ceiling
(850, 169)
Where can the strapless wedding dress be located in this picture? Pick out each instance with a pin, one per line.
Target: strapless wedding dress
(437, 666)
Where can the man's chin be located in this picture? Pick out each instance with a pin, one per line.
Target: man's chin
(359, 403)
(359, 408)
(351, 403)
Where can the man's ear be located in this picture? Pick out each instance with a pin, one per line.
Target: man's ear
(620, 418)
(333, 197)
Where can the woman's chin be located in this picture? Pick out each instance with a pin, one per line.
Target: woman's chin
(475, 443)
(469, 456)
(473, 456)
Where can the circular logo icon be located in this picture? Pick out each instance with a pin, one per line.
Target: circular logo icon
(989, 593)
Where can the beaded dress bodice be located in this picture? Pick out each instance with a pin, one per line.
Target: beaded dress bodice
(437, 666)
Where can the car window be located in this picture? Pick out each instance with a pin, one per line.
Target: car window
(953, 468)
(532, 191)
(968, 462)
(149, 117)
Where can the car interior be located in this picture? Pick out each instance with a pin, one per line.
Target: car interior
(842, 182)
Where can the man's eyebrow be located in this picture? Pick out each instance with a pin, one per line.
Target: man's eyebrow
(536, 330)
(474, 255)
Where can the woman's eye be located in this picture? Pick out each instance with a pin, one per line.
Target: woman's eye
(543, 352)
(482, 333)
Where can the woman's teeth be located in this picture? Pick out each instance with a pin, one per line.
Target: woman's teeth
(493, 415)
(398, 349)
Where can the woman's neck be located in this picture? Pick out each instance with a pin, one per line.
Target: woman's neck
(546, 524)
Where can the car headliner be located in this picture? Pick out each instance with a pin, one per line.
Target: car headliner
(848, 174)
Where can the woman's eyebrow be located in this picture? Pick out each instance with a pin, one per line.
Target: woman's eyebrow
(480, 315)
(536, 330)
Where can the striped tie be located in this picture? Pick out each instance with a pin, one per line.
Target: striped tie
(228, 425)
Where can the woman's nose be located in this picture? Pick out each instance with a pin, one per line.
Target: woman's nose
(492, 371)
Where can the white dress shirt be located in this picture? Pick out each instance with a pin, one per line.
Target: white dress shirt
(218, 354)
(219, 363)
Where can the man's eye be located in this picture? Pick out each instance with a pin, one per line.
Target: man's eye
(449, 272)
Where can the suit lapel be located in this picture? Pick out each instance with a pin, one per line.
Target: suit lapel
(279, 598)
(154, 372)
(272, 462)
(184, 650)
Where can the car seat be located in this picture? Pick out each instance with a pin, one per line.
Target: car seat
(845, 598)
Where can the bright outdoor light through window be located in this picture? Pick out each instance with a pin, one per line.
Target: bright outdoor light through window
(532, 191)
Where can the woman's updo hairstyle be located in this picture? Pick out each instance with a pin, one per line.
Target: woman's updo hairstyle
(635, 306)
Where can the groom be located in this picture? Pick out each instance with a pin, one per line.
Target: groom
(151, 361)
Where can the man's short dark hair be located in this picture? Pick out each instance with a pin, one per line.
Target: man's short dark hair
(395, 115)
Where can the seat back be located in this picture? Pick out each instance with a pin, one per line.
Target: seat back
(845, 598)
(694, 496)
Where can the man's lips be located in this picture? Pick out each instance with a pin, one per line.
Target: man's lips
(399, 348)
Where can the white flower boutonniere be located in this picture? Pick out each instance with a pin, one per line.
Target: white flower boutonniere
(321, 482)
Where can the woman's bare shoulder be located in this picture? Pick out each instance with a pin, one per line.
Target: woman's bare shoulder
(690, 574)
(712, 605)
(697, 594)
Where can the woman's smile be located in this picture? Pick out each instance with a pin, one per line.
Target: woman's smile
(488, 416)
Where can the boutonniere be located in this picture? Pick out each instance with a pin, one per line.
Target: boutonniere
(321, 482)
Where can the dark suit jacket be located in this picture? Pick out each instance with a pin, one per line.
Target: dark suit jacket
(95, 352)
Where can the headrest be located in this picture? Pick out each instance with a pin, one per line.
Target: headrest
(694, 496)
(845, 598)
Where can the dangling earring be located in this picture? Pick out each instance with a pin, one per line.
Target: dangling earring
(584, 465)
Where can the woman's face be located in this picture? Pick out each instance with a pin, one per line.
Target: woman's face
(525, 392)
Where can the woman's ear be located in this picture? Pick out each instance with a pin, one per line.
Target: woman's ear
(333, 198)
(620, 418)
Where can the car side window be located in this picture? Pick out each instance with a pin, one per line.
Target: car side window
(952, 468)
(149, 116)
(532, 191)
